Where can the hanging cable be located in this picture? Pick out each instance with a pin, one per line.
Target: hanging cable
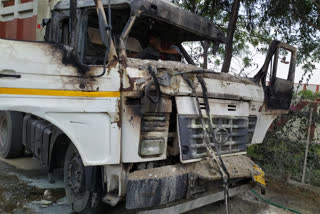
(156, 98)
(223, 169)
(211, 135)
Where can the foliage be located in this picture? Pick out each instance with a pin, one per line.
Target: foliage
(295, 22)
(285, 158)
(260, 21)
(246, 44)
(309, 95)
(283, 149)
(281, 157)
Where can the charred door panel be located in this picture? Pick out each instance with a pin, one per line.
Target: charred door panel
(278, 87)
(53, 84)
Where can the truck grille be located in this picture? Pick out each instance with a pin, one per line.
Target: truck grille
(191, 135)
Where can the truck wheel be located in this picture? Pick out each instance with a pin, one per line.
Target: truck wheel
(11, 134)
(83, 201)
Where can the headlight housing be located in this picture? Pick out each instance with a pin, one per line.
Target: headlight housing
(152, 147)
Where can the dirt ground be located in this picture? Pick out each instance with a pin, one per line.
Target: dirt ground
(26, 191)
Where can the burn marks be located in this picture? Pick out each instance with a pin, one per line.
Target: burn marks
(70, 58)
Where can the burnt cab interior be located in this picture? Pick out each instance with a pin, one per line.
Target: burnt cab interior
(159, 17)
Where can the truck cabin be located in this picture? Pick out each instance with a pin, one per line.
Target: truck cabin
(133, 22)
(140, 133)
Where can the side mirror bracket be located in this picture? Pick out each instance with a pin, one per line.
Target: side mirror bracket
(105, 29)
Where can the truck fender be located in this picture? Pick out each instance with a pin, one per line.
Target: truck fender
(60, 143)
(263, 124)
(93, 134)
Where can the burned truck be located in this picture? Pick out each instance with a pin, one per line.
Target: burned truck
(153, 132)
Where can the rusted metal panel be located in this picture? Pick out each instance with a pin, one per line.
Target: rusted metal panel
(222, 86)
(175, 68)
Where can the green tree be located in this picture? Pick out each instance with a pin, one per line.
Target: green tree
(225, 14)
(294, 22)
(297, 23)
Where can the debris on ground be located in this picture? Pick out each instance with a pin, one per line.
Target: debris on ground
(18, 195)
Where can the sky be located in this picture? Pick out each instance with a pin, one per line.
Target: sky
(283, 70)
(259, 59)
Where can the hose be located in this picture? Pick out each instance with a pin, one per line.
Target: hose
(223, 169)
(156, 83)
(207, 139)
(274, 204)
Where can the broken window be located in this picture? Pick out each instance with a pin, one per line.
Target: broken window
(171, 36)
(64, 27)
(93, 49)
(281, 76)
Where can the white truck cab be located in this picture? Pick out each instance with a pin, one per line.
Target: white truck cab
(133, 129)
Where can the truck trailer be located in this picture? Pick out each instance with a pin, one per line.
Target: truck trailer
(158, 133)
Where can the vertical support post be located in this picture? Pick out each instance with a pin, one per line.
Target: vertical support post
(73, 21)
(100, 8)
(16, 5)
(1, 7)
(307, 146)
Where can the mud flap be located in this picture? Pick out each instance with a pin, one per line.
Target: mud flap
(91, 178)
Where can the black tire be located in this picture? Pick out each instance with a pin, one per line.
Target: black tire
(11, 134)
(83, 201)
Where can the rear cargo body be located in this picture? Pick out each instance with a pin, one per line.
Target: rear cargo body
(22, 19)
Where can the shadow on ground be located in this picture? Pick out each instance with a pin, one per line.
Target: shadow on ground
(24, 190)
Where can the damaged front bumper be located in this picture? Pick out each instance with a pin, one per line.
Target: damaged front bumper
(161, 186)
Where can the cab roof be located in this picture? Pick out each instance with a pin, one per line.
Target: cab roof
(165, 11)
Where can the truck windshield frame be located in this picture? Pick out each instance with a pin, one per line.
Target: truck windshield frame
(129, 26)
(162, 14)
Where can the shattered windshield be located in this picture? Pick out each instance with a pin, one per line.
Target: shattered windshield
(149, 38)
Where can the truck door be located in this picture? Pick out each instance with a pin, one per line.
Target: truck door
(282, 77)
(277, 75)
(53, 82)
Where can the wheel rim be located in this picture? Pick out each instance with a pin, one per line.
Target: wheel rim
(3, 130)
(75, 176)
